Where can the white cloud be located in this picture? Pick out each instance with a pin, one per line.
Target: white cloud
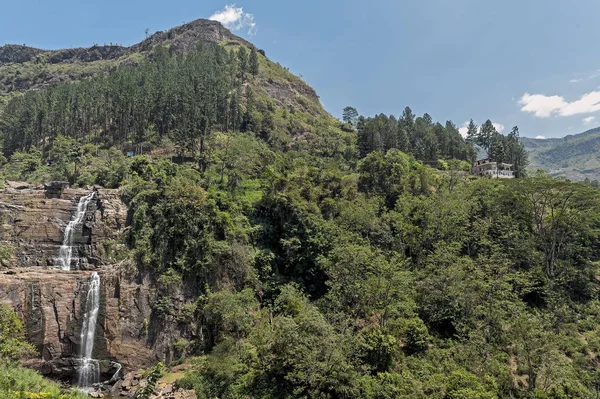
(540, 105)
(589, 120)
(499, 127)
(540, 137)
(463, 129)
(235, 18)
(575, 80)
(544, 106)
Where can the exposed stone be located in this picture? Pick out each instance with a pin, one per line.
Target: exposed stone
(50, 300)
(17, 185)
(167, 389)
(33, 224)
(116, 388)
(185, 394)
(50, 303)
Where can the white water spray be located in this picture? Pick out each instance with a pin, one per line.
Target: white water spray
(89, 372)
(66, 249)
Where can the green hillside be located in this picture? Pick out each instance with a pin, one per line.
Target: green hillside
(24, 68)
(298, 256)
(576, 157)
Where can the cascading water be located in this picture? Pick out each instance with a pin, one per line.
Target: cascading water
(89, 372)
(66, 249)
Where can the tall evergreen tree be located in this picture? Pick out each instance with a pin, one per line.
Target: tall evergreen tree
(253, 62)
(486, 135)
(243, 61)
(350, 116)
(472, 132)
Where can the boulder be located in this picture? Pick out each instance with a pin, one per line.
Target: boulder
(17, 185)
(54, 189)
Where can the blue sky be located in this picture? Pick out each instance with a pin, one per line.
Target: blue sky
(531, 63)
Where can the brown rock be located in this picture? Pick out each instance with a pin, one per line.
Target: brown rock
(185, 394)
(50, 301)
(34, 224)
(167, 389)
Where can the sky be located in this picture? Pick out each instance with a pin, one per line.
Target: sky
(530, 63)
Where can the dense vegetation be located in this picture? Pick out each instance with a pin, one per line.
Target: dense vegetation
(500, 148)
(178, 96)
(17, 382)
(388, 280)
(321, 259)
(421, 137)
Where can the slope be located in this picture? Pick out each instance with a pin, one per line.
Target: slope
(575, 157)
(25, 68)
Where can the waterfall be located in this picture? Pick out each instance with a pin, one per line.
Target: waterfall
(66, 249)
(89, 372)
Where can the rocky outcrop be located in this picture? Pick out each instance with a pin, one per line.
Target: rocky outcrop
(135, 380)
(34, 217)
(181, 39)
(186, 37)
(50, 303)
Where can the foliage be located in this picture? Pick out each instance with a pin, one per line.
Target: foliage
(151, 379)
(420, 137)
(17, 382)
(302, 257)
(13, 345)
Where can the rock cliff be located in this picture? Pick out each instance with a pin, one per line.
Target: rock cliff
(50, 303)
(34, 218)
(50, 300)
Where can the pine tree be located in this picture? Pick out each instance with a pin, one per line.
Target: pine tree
(472, 132)
(350, 116)
(253, 62)
(407, 125)
(243, 61)
(486, 135)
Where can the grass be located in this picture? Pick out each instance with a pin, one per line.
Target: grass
(17, 382)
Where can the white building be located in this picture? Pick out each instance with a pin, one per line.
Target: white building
(495, 170)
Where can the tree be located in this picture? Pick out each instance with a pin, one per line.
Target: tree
(498, 149)
(243, 61)
(472, 132)
(350, 116)
(253, 63)
(564, 218)
(516, 153)
(152, 378)
(13, 345)
(486, 135)
(64, 152)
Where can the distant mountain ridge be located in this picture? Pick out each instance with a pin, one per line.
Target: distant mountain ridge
(575, 157)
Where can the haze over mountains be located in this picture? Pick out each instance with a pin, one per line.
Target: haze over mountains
(576, 157)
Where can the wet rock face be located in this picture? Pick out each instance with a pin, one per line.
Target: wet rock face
(51, 302)
(34, 218)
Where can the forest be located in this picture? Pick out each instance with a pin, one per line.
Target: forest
(323, 258)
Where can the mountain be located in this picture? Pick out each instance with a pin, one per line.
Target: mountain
(186, 202)
(575, 157)
(25, 68)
